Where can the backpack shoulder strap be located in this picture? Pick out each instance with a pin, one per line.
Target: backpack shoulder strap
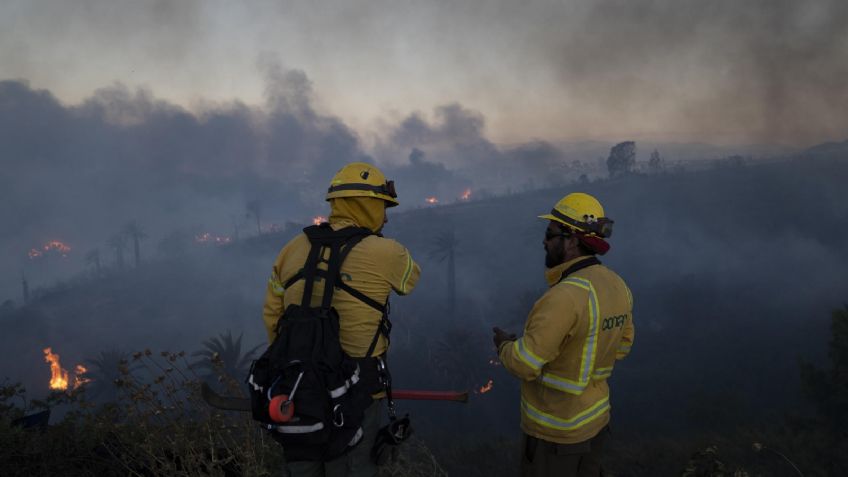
(322, 237)
(308, 272)
(385, 326)
(348, 246)
(580, 265)
(340, 242)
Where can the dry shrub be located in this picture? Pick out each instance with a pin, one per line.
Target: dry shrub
(414, 460)
(159, 426)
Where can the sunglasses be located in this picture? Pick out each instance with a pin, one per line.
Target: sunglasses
(549, 235)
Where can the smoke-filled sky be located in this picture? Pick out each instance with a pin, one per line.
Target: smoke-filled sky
(721, 71)
(176, 115)
(181, 116)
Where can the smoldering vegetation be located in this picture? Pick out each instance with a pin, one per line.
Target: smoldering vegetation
(734, 272)
(80, 174)
(85, 174)
(734, 265)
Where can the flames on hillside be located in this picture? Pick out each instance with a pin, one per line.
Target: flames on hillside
(318, 220)
(52, 247)
(60, 378)
(464, 196)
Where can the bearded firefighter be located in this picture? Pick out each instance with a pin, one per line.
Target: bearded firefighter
(572, 339)
(359, 197)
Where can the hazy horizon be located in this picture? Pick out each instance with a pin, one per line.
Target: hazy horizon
(721, 72)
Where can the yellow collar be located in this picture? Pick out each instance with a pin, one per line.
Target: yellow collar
(553, 274)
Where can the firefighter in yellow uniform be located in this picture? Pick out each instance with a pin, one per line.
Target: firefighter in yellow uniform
(572, 339)
(359, 196)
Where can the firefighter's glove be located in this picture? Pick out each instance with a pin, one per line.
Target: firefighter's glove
(389, 438)
(501, 336)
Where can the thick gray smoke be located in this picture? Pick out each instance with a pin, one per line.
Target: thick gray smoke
(80, 173)
(734, 267)
(672, 70)
(761, 70)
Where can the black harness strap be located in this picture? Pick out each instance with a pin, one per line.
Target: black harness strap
(340, 242)
(297, 276)
(333, 266)
(308, 272)
(361, 297)
(348, 247)
(579, 266)
(384, 328)
(342, 286)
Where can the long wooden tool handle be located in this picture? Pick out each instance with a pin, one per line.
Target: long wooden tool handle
(415, 395)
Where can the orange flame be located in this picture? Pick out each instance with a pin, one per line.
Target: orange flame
(318, 220)
(431, 200)
(487, 387)
(51, 246)
(466, 195)
(79, 378)
(57, 246)
(58, 376)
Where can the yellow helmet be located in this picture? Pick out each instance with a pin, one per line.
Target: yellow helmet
(583, 213)
(359, 179)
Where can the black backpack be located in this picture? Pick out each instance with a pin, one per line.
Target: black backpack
(320, 392)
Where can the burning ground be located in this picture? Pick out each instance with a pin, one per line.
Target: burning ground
(713, 262)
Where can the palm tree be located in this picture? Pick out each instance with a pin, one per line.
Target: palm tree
(222, 356)
(254, 208)
(104, 370)
(133, 231)
(119, 243)
(25, 285)
(93, 258)
(444, 248)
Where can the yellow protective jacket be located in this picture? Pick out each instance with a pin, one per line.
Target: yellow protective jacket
(375, 267)
(573, 336)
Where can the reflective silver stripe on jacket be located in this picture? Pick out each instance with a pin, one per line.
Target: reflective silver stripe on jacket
(565, 424)
(590, 346)
(602, 373)
(526, 355)
(561, 384)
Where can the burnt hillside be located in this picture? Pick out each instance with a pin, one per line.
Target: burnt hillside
(734, 271)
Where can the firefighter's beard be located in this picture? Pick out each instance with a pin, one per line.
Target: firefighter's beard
(554, 256)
